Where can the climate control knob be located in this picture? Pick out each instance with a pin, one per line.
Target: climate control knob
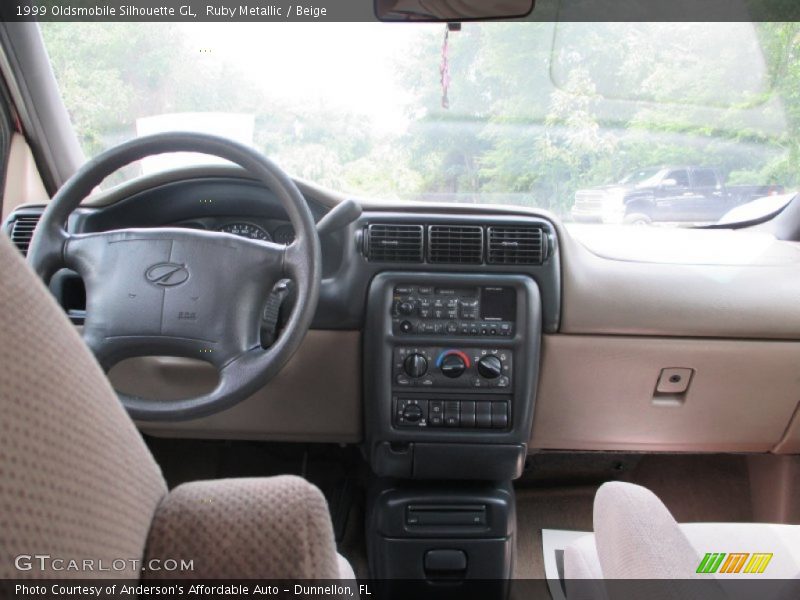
(415, 365)
(452, 365)
(490, 367)
(412, 413)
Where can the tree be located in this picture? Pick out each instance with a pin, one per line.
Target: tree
(535, 112)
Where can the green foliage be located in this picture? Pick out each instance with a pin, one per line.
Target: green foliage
(544, 146)
(528, 121)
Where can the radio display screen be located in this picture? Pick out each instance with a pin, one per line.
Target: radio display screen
(498, 304)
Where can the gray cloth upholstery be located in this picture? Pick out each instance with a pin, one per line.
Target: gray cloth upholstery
(581, 560)
(636, 536)
(78, 483)
(259, 528)
(76, 479)
(637, 545)
(582, 573)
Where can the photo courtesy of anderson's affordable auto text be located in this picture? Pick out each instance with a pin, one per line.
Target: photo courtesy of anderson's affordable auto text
(391, 299)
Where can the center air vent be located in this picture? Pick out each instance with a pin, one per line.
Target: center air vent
(22, 231)
(510, 245)
(455, 244)
(394, 243)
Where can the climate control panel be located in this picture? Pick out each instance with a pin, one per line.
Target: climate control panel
(439, 367)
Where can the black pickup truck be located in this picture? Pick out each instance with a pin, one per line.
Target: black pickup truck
(665, 194)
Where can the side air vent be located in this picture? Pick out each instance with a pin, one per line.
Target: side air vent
(394, 243)
(22, 231)
(455, 244)
(510, 245)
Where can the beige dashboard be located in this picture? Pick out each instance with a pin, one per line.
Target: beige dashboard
(721, 305)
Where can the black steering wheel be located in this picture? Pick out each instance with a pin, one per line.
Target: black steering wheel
(184, 292)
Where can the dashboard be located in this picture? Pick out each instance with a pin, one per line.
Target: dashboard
(423, 305)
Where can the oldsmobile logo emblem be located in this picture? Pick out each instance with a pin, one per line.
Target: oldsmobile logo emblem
(167, 274)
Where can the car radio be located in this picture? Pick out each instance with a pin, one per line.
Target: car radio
(448, 311)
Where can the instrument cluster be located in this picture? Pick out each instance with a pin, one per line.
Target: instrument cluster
(265, 230)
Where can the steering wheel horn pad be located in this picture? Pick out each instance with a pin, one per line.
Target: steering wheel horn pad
(184, 292)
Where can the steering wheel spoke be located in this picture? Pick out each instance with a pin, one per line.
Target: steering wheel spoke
(110, 350)
(293, 263)
(184, 292)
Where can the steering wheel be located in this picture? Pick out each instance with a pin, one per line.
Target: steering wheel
(184, 292)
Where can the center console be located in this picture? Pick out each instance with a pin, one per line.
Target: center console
(436, 538)
(451, 365)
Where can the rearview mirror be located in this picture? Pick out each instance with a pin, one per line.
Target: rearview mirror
(451, 10)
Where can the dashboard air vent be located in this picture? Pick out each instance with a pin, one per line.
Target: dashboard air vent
(516, 245)
(22, 231)
(455, 244)
(394, 243)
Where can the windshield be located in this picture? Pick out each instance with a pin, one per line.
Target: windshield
(535, 114)
(639, 176)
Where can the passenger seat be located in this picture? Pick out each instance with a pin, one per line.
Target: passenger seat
(636, 538)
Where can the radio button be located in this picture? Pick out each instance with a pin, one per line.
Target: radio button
(483, 414)
(499, 415)
(451, 413)
(467, 413)
(405, 308)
